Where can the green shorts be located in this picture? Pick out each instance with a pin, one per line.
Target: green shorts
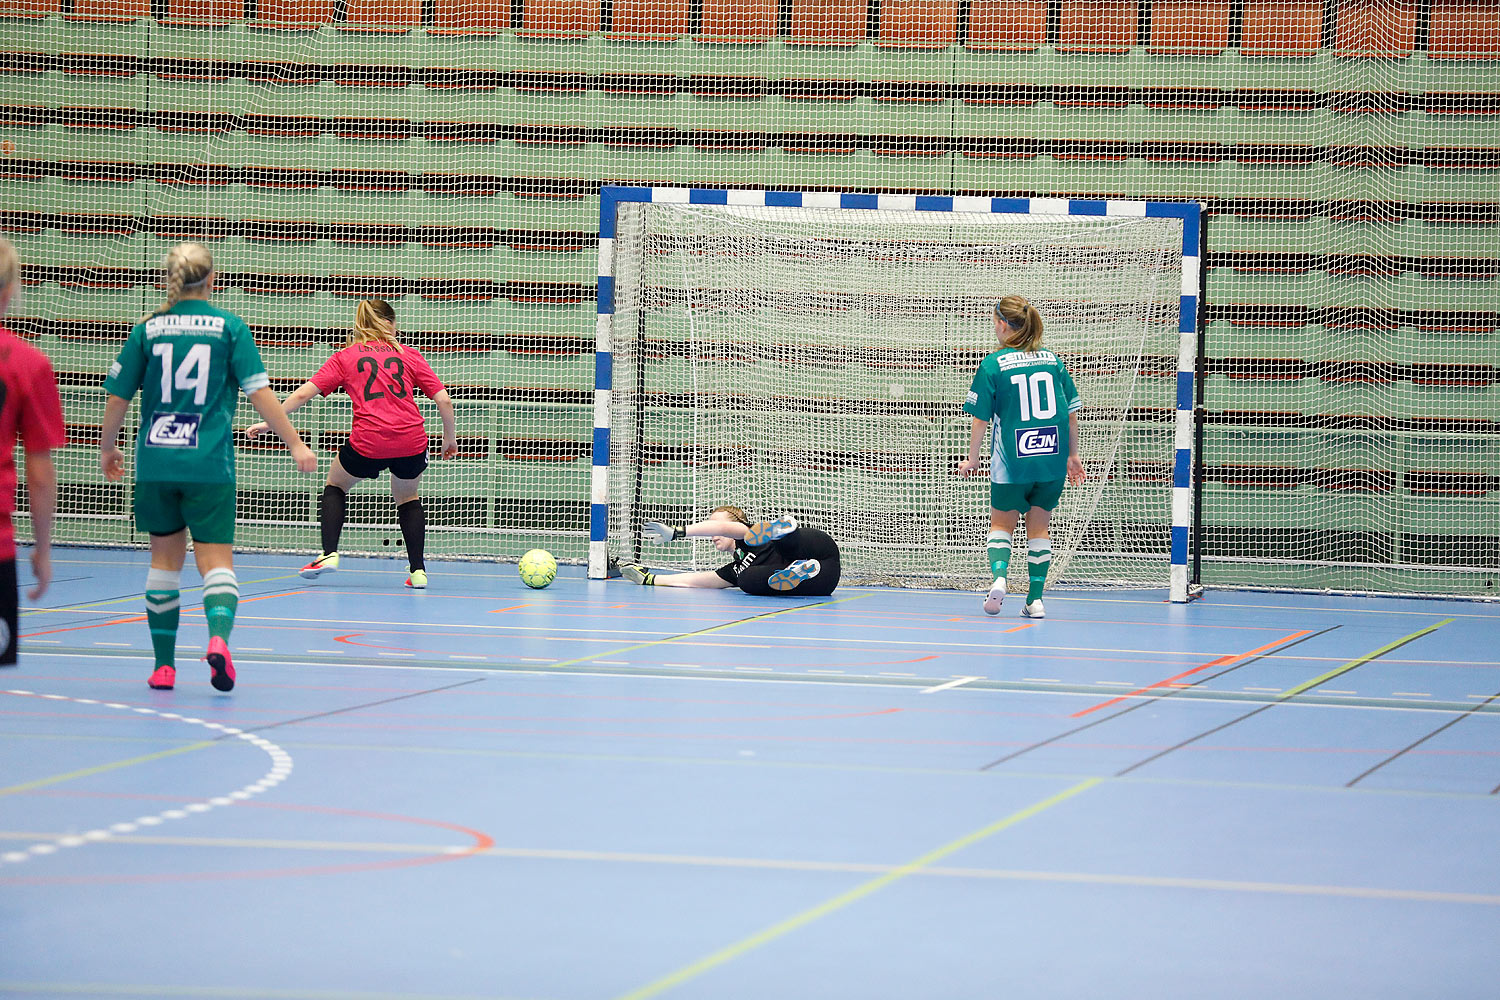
(1024, 496)
(205, 509)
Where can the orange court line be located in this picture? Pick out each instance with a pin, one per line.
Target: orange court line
(141, 618)
(1172, 681)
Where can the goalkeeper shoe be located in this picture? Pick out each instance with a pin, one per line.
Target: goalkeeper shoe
(417, 580)
(766, 532)
(637, 574)
(326, 563)
(163, 678)
(1034, 609)
(661, 534)
(220, 665)
(995, 597)
(799, 571)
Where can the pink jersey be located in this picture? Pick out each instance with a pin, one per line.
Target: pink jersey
(29, 411)
(380, 381)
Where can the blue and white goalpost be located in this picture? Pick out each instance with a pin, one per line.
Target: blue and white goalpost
(809, 351)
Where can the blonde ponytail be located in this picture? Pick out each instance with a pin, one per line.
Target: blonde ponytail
(375, 321)
(1022, 323)
(188, 265)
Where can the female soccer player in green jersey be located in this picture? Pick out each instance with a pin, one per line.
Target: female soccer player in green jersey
(187, 359)
(1021, 392)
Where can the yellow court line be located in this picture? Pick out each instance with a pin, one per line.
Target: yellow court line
(58, 779)
(853, 895)
(1292, 692)
(704, 631)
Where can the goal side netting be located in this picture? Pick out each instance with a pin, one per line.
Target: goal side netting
(813, 360)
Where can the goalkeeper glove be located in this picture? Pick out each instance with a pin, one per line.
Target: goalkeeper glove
(655, 531)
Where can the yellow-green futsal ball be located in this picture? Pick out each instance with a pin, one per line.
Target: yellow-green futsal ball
(538, 568)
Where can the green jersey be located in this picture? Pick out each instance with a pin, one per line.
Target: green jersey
(1026, 396)
(189, 363)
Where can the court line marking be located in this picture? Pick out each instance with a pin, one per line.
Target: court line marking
(138, 596)
(853, 895)
(769, 641)
(1222, 661)
(593, 657)
(1213, 597)
(281, 768)
(1306, 685)
(141, 618)
(788, 864)
(956, 682)
(1191, 691)
(1291, 693)
(158, 991)
(827, 678)
(1413, 745)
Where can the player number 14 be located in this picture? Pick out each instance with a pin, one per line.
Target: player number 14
(191, 374)
(1037, 396)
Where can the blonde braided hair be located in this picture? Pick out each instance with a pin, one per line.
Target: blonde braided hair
(188, 265)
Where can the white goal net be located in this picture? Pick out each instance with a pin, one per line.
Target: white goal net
(813, 361)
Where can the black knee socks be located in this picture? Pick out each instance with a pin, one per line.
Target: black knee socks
(413, 521)
(331, 517)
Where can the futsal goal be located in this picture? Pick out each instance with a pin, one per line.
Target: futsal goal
(808, 353)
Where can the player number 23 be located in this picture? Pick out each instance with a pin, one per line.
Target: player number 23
(191, 374)
(394, 365)
(1037, 395)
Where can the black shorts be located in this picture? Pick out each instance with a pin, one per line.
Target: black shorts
(10, 607)
(360, 467)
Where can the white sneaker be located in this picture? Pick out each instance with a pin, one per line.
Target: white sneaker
(1034, 609)
(994, 598)
(787, 579)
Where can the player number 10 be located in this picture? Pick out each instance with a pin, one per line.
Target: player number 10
(1038, 397)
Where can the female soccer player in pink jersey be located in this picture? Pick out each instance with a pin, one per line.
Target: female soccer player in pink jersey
(380, 374)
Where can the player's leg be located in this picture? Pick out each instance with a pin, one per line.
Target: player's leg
(701, 580)
(1038, 560)
(333, 507)
(1043, 497)
(158, 512)
(1006, 505)
(210, 513)
(765, 532)
(10, 612)
(813, 569)
(163, 604)
(406, 475)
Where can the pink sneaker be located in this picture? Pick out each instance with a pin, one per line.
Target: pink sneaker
(163, 678)
(222, 667)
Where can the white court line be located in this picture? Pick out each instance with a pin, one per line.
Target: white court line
(844, 681)
(950, 684)
(281, 767)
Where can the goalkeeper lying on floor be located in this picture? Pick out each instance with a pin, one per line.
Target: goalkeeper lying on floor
(771, 558)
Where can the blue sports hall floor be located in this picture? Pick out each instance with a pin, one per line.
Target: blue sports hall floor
(604, 792)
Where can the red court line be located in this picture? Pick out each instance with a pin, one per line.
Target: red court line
(482, 842)
(1172, 681)
(141, 618)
